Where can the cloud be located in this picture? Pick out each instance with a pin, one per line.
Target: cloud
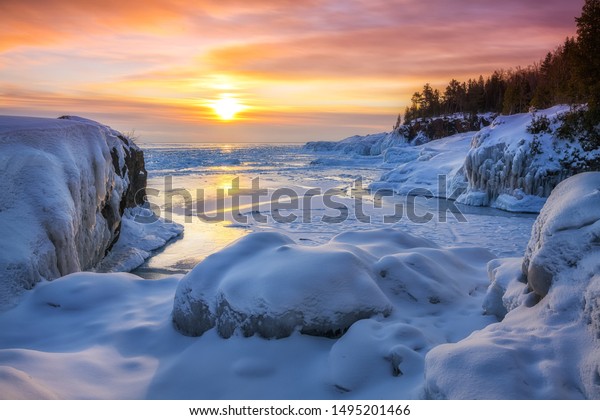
(294, 62)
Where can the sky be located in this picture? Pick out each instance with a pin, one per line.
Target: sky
(288, 70)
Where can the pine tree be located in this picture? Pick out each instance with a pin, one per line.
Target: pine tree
(588, 42)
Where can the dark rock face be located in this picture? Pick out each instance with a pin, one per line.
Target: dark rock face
(133, 171)
(440, 127)
(136, 172)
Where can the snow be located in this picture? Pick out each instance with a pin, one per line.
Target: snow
(426, 310)
(369, 145)
(502, 165)
(142, 235)
(318, 290)
(435, 166)
(512, 169)
(113, 332)
(64, 183)
(547, 344)
(566, 230)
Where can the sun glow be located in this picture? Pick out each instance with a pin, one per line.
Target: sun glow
(227, 107)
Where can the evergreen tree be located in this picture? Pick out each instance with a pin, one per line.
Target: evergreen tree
(588, 42)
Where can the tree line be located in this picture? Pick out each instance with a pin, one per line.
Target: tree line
(568, 75)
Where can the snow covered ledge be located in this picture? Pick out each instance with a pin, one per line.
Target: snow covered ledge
(65, 186)
(513, 167)
(548, 344)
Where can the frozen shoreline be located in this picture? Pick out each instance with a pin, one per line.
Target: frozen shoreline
(118, 326)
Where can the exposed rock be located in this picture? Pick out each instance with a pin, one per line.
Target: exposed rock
(423, 130)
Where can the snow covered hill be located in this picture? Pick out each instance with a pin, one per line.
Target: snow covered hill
(65, 186)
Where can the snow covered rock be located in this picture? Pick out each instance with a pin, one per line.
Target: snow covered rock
(565, 232)
(65, 185)
(266, 284)
(507, 289)
(512, 167)
(548, 344)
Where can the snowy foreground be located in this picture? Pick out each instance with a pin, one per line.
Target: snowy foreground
(111, 336)
(429, 328)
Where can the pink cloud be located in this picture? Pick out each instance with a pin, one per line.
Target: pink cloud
(141, 57)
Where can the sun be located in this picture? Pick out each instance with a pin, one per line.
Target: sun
(227, 107)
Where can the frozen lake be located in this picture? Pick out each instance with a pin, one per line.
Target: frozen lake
(310, 196)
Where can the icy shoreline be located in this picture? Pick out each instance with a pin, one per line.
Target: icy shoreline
(505, 165)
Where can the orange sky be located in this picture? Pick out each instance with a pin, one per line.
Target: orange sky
(303, 69)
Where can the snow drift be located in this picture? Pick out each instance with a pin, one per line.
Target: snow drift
(65, 186)
(113, 333)
(547, 345)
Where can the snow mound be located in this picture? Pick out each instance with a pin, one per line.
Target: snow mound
(548, 344)
(566, 230)
(422, 274)
(371, 350)
(266, 284)
(511, 168)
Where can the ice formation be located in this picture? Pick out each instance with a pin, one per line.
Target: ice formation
(510, 168)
